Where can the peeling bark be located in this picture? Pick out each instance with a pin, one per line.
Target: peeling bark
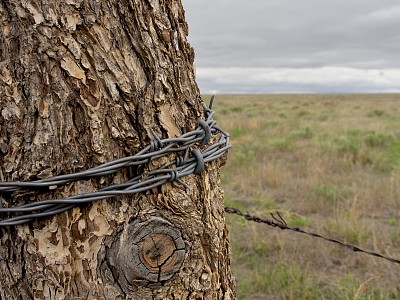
(81, 83)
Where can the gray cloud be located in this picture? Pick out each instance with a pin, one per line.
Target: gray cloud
(359, 34)
(298, 80)
(283, 32)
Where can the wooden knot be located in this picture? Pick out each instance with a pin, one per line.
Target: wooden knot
(147, 253)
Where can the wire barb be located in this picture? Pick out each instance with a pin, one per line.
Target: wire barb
(280, 220)
(199, 161)
(207, 132)
(155, 143)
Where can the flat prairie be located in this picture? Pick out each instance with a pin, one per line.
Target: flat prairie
(329, 164)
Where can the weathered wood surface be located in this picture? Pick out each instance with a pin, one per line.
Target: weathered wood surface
(146, 253)
(81, 83)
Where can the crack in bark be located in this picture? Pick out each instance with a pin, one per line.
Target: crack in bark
(114, 278)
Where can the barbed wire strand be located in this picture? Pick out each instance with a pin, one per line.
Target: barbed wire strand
(279, 222)
(174, 170)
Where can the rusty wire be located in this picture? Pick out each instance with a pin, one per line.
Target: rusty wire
(280, 223)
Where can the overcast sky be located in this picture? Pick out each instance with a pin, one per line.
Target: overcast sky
(317, 46)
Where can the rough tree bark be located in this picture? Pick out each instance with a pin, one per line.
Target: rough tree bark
(81, 83)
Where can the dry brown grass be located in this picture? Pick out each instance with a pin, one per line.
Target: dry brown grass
(331, 163)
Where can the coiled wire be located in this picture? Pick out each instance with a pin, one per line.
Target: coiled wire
(192, 162)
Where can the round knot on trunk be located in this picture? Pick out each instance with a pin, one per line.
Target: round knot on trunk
(158, 252)
(146, 253)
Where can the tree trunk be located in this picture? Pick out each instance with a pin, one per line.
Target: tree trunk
(81, 83)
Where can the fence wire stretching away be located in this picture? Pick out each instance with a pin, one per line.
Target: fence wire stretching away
(189, 160)
(280, 223)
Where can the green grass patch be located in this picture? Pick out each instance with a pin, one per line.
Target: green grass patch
(285, 280)
(370, 148)
(347, 145)
(306, 132)
(237, 132)
(282, 114)
(281, 144)
(377, 140)
(262, 202)
(295, 220)
(327, 192)
(244, 153)
(352, 288)
(392, 151)
(393, 222)
(331, 193)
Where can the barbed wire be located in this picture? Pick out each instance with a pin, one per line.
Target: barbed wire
(279, 222)
(192, 162)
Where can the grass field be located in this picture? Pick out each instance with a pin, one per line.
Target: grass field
(328, 163)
